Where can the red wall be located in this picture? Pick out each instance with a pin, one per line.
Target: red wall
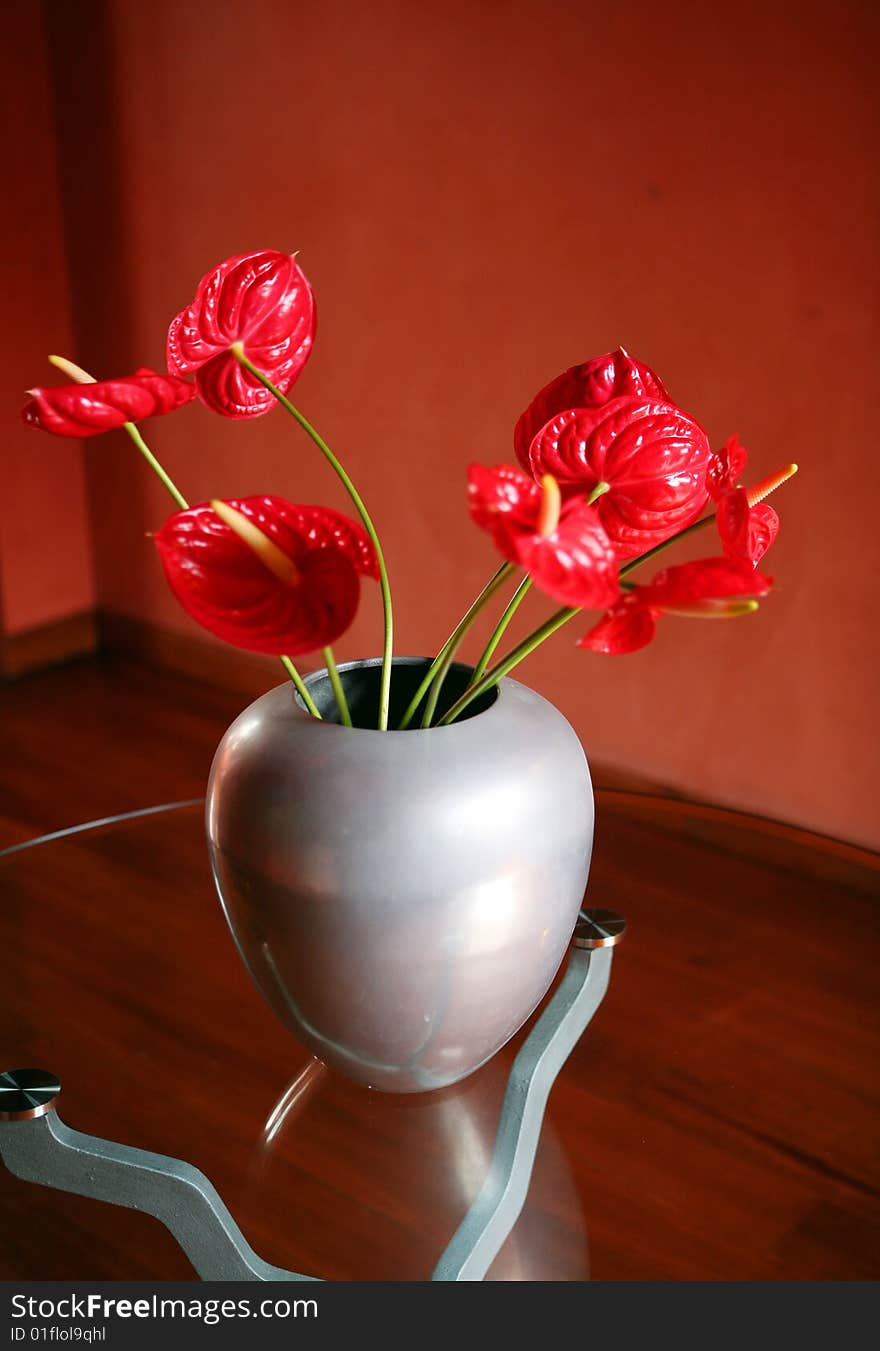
(45, 550)
(484, 194)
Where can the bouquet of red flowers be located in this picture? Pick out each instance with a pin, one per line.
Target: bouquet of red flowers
(611, 472)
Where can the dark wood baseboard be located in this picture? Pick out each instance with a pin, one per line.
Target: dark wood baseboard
(48, 644)
(222, 666)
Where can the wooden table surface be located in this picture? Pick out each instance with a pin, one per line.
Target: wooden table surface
(718, 1121)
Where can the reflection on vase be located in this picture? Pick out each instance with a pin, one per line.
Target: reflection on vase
(419, 1164)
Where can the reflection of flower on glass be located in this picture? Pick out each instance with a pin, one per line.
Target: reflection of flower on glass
(613, 471)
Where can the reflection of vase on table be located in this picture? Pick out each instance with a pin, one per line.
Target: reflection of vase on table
(441, 1152)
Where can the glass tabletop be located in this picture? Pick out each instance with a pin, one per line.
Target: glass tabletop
(717, 1120)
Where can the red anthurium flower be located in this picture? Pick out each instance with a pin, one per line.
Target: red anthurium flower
(265, 574)
(261, 300)
(707, 587)
(84, 410)
(591, 385)
(643, 460)
(746, 531)
(746, 524)
(562, 546)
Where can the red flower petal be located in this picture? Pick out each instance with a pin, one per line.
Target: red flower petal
(225, 587)
(725, 467)
(703, 579)
(591, 385)
(654, 456)
(505, 502)
(85, 410)
(576, 564)
(629, 626)
(746, 532)
(260, 299)
(327, 529)
(706, 584)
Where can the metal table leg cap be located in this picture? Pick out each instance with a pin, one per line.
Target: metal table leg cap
(28, 1093)
(598, 929)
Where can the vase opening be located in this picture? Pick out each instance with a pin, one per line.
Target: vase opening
(361, 681)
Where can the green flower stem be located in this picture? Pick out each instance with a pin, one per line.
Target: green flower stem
(513, 658)
(547, 629)
(436, 688)
(301, 687)
(81, 377)
(154, 464)
(385, 694)
(341, 701)
(431, 706)
(452, 643)
(516, 601)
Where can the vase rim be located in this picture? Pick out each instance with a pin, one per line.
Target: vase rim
(362, 663)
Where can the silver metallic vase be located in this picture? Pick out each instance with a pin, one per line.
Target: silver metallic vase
(402, 899)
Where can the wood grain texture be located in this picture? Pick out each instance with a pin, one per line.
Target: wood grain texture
(105, 735)
(718, 1121)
